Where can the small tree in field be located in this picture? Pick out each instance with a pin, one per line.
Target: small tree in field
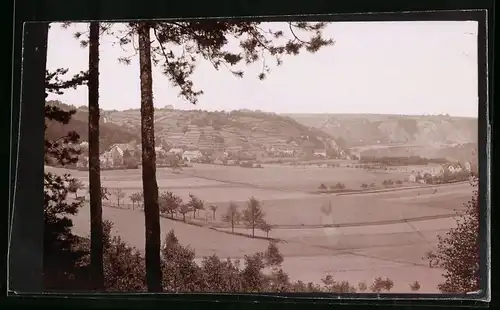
(184, 209)
(119, 195)
(74, 186)
(135, 198)
(232, 215)
(340, 186)
(265, 227)
(169, 203)
(253, 215)
(458, 250)
(415, 286)
(196, 204)
(213, 208)
(105, 193)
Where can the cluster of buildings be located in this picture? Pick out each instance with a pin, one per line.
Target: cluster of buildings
(423, 173)
(205, 144)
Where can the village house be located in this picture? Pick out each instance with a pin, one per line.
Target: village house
(83, 162)
(218, 161)
(106, 160)
(233, 150)
(191, 155)
(217, 155)
(176, 151)
(467, 166)
(125, 149)
(412, 178)
(116, 155)
(433, 170)
(84, 145)
(160, 152)
(320, 153)
(453, 168)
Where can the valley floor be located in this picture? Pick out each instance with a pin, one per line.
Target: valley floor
(382, 234)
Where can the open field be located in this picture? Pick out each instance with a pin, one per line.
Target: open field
(353, 254)
(373, 234)
(286, 206)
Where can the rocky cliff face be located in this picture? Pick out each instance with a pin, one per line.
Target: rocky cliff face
(358, 130)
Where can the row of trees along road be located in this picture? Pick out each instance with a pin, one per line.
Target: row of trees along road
(157, 42)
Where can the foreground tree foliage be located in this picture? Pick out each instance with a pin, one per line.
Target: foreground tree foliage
(60, 257)
(178, 45)
(458, 250)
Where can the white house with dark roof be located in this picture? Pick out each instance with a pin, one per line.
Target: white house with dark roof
(321, 153)
(191, 155)
(176, 151)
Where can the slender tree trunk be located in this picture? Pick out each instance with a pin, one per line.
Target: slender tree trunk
(232, 227)
(150, 186)
(96, 230)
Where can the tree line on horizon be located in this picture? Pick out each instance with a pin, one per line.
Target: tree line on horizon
(96, 264)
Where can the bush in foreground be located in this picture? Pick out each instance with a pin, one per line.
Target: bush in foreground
(458, 251)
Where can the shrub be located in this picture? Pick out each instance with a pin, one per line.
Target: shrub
(273, 257)
(388, 182)
(332, 286)
(362, 287)
(339, 186)
(415, 286)
(380, 285)
(458, 251)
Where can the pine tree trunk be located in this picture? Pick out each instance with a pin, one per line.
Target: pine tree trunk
(150, 186)
(96, 230)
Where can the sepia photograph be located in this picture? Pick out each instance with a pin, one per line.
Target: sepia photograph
(224, 156)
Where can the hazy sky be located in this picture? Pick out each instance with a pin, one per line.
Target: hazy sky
(374, 67)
